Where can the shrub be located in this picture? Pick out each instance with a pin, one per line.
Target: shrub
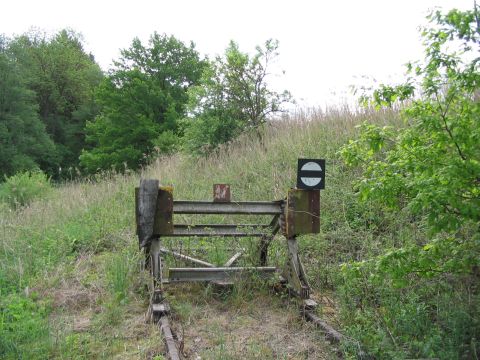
(167, 142)
(421, 298)
(22, 188)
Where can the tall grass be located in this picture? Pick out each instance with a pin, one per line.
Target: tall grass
(40, 244)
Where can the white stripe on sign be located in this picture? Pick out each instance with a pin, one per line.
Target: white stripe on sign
(311, 181)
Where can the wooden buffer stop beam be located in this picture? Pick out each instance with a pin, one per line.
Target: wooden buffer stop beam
(297, 214)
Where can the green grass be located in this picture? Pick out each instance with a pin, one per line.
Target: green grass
(71, 287)
(41, 244)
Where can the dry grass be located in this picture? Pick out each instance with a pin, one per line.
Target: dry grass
(258, 325)
(60, 247)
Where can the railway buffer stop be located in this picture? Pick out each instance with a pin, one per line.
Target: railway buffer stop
(297, 214)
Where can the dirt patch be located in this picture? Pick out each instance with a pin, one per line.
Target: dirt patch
(73, 298)
(81, 323)
(77, 288)
(262, 328)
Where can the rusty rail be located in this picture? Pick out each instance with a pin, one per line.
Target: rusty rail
(155, 209)
(240, 207)
(241, 230)
(217, 273)
(172, 350)
(331, 334)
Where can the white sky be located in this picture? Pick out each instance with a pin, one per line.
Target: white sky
(325, 46)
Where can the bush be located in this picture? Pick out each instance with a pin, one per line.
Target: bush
(421, 298)
(167, 142)
(21, 189)
(206, 133)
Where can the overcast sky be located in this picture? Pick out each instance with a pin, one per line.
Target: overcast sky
(325, 46)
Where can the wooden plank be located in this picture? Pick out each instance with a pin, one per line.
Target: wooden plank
(164, 213)
(303, 212)
(216, 274)
(221, 193)
(147, 204)
(242, 207)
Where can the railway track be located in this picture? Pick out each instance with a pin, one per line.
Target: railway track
(298, 214)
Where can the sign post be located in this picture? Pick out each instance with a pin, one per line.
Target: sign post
(311, 174)
(302, 216)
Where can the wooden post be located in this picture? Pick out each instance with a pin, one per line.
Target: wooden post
(147, 205)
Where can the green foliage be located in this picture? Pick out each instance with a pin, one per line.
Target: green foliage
(77, 346)
(433, 163)
(206, 132)
(73, 223)
(143, 97)
(21, 189)
(24, 143)
(62, 76)
(168, 142)
(24, 332)
(430, 168)
(119, 143)
(118, 272)
(60, 247)
(233, 97)
(398, 313)
(245, 84)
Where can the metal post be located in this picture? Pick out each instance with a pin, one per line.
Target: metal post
(263, 250)
(156, 263)
(294, 272)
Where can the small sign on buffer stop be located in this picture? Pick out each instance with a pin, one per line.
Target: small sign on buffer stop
(311, 174)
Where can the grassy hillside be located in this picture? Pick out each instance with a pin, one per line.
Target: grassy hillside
(71, 286)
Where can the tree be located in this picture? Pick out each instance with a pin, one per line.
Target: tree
(421, 298)
(212, 121)
(234, 96)
(142, 99)
(63, 77)
(24, 143)
(432, 165)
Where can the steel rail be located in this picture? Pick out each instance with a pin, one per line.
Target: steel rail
(219, 230)
(240, 207)
(216, 274)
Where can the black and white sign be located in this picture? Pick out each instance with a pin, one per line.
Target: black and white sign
(311, 174)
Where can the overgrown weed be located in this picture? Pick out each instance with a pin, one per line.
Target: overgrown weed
(96, 216)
